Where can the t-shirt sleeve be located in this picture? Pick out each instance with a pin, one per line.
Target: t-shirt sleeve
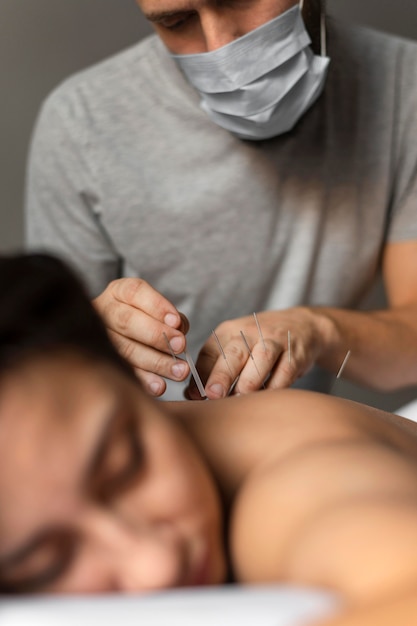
(404, 198)
(62, 199)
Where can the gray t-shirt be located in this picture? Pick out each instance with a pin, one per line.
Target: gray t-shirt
(128, 176)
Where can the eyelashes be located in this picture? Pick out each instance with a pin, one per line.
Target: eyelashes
(115, 468)
(59, 547)
(120, 463)
(175, 23)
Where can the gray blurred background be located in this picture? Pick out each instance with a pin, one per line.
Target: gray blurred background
(43, 41)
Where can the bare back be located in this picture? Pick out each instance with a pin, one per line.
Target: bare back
(323, 490)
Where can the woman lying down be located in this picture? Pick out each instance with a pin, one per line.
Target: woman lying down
(104, 489)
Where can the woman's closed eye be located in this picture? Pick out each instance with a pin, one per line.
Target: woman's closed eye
(117, 461)
(115, 466)
(40, 563)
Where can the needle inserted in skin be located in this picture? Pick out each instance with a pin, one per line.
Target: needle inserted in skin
(174, 356)
(222, 352)
(342, 367)
(251, 356)
(340, 372)
(195, 374)
(258, 326)
(233, 385)
(289, 347)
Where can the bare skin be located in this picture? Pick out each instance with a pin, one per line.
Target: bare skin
(315, 490)
(343, 479)
(104, 492)
(381, 342)
(206, 25)
(141, 322)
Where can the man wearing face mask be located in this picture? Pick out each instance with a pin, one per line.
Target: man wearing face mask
(252, 156)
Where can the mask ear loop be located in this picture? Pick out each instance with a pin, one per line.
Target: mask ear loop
(323, 29)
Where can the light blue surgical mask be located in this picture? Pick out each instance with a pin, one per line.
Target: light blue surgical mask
(261, 84)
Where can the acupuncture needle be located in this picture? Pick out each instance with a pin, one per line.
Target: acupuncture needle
(222, 351)
(174, 356)
(195, 374)
(342, 367)
(251, 356)
(289, 346)
(233, 385)
(192, 367)
(258, 326)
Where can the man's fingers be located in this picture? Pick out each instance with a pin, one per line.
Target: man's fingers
(293, 363)
(145, 327)
(140, 295)
(138, 326)
(222, 365)
(204, 364)
(283, 376)
(152, 383)
(146, 358)
(226, 368)
(258, 366)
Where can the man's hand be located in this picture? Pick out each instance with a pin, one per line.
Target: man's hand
(141, 322)
(276, 359)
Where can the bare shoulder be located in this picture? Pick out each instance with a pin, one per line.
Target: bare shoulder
(338, 512)
(239, 434)
(275, 423)
(323, 491)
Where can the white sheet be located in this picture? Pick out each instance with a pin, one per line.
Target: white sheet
(409, 411)
(211, 606)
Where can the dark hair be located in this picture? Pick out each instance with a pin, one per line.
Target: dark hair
(45, 309)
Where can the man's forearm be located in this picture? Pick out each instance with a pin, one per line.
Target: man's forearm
(383, 346)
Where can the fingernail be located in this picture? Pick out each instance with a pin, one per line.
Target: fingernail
(171, 320)
(179, 370)
(217, 391)
(177, 344)
(156, 388)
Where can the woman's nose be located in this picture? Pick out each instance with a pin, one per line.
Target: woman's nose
(218, 28)
(147, 557)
